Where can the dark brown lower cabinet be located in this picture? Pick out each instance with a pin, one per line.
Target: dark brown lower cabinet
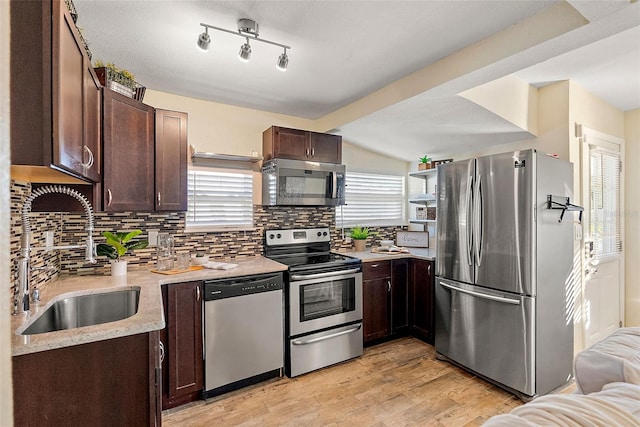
(111, 382)
(400, 296)
(385, 299)
(375, 308)
(422, 312)
(181, 340)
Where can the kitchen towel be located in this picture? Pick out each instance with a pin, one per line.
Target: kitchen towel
(220, 265)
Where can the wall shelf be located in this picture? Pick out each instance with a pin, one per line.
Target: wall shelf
(422, 221)
(427, 173)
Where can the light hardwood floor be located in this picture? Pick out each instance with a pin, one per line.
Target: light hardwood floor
(398, 383)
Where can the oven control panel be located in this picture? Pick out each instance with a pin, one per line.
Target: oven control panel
(299, 235)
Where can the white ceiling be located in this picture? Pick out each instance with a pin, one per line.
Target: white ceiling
(343, 51)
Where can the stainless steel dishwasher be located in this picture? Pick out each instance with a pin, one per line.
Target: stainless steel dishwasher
(243, 331)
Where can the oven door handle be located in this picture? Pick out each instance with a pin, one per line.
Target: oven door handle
(323, 275)
(327, 337)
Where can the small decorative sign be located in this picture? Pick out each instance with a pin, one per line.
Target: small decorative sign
(412, 239)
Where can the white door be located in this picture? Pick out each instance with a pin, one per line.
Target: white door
(603, 229)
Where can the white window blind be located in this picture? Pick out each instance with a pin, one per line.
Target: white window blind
(219, 199)
(605, 202)
(373, 199)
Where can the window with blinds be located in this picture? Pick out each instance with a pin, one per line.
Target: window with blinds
(219, 199)
(373, 199)
(605, 202)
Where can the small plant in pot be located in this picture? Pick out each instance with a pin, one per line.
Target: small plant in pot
(359, 236)
(425, 163)
(117, 245)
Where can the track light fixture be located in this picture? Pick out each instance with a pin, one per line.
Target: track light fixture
(248, 29)
(245, 51)
(204, 40)
(283, 61)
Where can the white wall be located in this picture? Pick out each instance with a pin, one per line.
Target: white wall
(632, 217)
(6, 392)
(223, 129)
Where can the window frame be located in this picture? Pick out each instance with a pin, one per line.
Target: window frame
(401, 201)
(196, 228)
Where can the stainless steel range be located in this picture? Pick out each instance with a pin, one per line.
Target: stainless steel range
(323, 298)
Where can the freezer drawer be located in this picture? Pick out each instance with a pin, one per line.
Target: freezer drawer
(488, 332)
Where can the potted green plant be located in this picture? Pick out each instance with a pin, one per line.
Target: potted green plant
(359, 235)
(425, 163)
(116, 245)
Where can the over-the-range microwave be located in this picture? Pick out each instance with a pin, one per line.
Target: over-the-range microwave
(288, 182)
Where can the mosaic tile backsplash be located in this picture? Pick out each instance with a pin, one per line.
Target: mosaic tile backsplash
(69, 228)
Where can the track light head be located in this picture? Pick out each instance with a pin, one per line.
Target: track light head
(245, 52)
(283, 61)
(204, 40)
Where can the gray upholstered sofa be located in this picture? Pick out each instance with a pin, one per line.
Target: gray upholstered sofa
(607, 377)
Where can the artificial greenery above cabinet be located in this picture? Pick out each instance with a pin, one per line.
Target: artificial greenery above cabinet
(55, 97)
(285, 143)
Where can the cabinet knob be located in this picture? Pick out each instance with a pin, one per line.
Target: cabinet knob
(159, 199)
(374, 265)
(313, 152)
(307, 152)
(109, 197)
(389, 285)
(161, 351)
(197, 293)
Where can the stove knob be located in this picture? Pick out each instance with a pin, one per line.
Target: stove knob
(324, 233)
(279, 235)
(319, 234)
(271, 236)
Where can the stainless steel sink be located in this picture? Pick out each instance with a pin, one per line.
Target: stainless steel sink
(86, 310)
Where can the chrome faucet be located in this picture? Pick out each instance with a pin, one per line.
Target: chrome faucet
(23, 295)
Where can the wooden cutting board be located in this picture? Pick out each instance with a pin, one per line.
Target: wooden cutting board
(174, 271)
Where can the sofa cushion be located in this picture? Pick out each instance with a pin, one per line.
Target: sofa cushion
(617, 404)
(615, 358)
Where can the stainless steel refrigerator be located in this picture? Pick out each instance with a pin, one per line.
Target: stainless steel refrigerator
(503, 265)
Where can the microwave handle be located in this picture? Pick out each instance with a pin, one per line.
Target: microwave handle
(334, 185)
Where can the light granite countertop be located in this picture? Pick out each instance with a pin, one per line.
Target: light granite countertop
(150, 315)
(428, 254)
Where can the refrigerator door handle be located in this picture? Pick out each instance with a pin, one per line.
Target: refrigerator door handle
(481, 295)
(477, 217)
(469, 226)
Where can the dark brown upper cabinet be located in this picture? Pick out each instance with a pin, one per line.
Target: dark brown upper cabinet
(129, 151)
(145, 156)
(285, 143)
(55, 103)
(171, 160)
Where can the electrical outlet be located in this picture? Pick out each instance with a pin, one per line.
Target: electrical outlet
(153, 237)
(48, 238)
